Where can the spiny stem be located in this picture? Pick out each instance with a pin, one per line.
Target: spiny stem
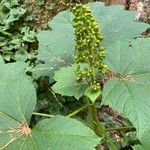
(77, 111)
(121, 128)
(42, 114)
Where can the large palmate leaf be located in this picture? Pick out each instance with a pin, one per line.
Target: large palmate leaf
(57, 46)
(54, 51)
(64, 133)
(17, 102)
(129, 91)
(17, 93)
(56, 133)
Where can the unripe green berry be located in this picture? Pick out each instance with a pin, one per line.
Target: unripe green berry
(88, 39)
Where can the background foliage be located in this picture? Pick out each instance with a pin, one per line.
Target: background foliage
(38, 87)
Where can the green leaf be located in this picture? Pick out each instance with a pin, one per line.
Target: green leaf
(92, 94)
(6, 124)
(142, 146)
(15, 14)
(29, 35)
(47, 69)
(56, 134)
(58, 45)
(131, 60)
(1, 60)
(9, 3)
(54, 55)
(116, 23)
(17, 102)
(67, 83)
(17, 93)
(52, 47)
(128, 92)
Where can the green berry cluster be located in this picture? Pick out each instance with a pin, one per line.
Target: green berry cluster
(88, 45)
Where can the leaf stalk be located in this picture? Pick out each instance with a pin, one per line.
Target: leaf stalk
(77, 111)
(42, 114)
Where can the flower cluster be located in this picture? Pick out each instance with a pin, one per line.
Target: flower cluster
(88, 46)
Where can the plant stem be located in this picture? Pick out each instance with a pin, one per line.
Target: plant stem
(99, 129)
(70, 115)
(77, 111)
(110, 141)
(42, 114)
(121, 128)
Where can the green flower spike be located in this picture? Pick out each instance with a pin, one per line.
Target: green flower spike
(88, 47)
